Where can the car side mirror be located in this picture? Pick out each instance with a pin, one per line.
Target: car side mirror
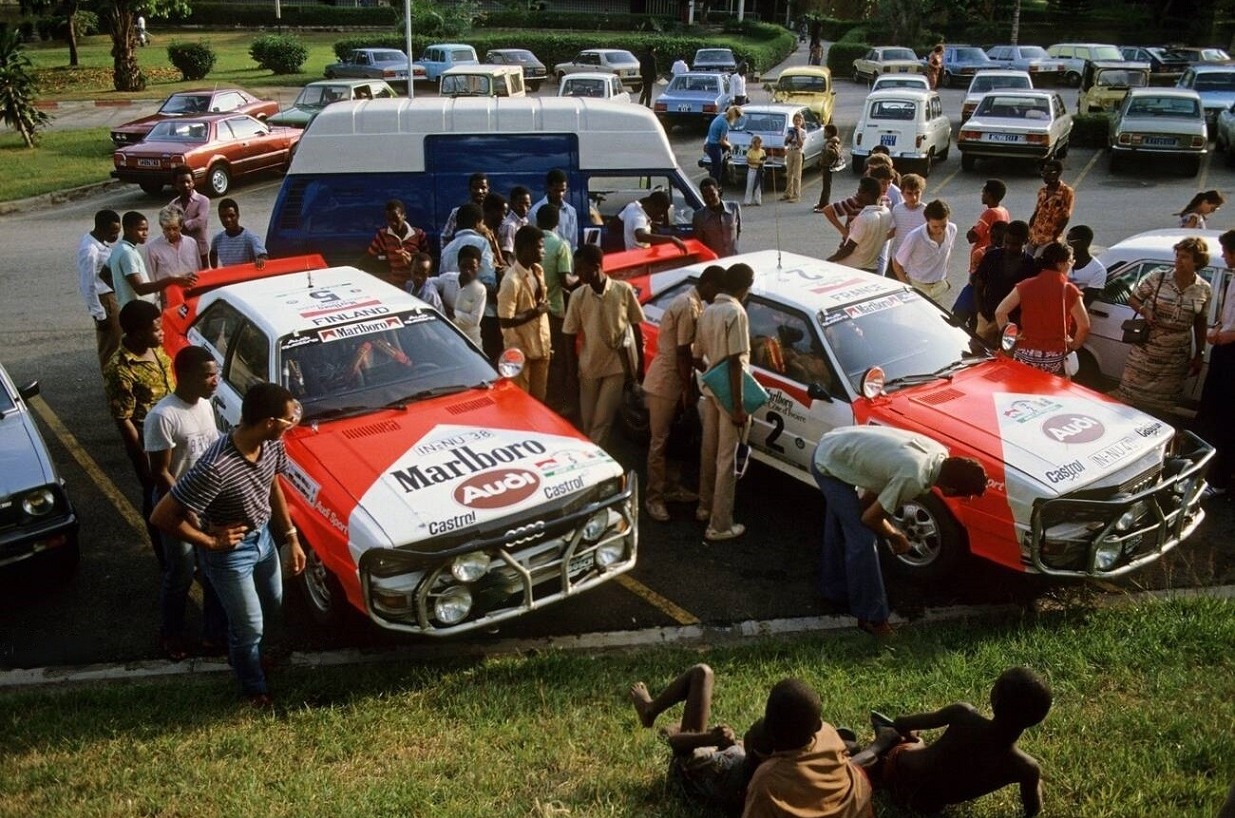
(29, 390)
(815, 391)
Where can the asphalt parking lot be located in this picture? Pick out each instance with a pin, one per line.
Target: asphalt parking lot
(108, 611)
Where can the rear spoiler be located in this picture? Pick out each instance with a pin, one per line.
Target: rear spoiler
(655, 259)
(212, 279)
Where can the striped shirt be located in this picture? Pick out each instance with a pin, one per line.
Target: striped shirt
(243, 248)
(224, 488)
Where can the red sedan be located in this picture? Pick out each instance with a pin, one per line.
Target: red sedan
(218, 147)
(195, 103)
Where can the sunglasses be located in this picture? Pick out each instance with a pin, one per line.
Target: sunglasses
(294, 420)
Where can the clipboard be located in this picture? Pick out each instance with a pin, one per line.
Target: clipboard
(717, 380)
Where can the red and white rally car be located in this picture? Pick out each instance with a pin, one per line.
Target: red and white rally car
(430, 493)
(1079, 484)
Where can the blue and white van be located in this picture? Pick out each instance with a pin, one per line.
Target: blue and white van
(443, 56)
(357, 155)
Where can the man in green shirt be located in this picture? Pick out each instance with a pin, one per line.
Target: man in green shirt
(558, 264)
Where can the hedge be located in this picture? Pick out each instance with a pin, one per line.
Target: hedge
(247, 16)
(578, 21)
(1089, 130)
(831, 29)
(842, 55)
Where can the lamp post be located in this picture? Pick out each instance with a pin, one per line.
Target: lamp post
(407, 34)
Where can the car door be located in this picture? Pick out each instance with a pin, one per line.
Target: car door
(1061, 121)
(788, 359)
(813, 146)
(217, 330)
(940, 127)
(247, 152)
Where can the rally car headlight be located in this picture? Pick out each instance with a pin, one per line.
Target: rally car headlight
(39, 503)
(1106, 555)
(470, 567)
(612, 487)
(596, 525)
(510, 364)
(610, 553)
(1129, 517)
(872, 383)
(453, 606)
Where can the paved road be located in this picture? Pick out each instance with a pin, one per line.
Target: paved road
(108, 611)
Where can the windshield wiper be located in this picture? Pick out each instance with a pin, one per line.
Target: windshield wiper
(340, 412)
(944, 372)
(425, 394)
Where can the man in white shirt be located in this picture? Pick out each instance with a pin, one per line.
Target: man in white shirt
(868, 231)
(679, 67)
(520, 207)
(638, 218)
(922, 259)
(1088, 273)
(557, 185)
(92, 253)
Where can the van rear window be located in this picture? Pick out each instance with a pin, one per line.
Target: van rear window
(902, 110)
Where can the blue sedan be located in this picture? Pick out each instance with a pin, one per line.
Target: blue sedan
(695, 96)
(1216, 85)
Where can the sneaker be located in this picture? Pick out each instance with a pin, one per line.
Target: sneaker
(879, 630)
(261, 701)
(681, 496)
(735, 531)
(703, 514)
(657, 511)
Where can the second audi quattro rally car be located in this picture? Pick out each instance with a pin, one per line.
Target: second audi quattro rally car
(1078, 484)
(430, 493)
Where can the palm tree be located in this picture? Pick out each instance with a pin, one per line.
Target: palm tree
(17, 91)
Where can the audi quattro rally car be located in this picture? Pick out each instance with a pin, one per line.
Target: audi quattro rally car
(1079, 484)
(430, 493)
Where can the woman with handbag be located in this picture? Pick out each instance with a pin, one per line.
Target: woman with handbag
(1047, 301)
(1174, 305)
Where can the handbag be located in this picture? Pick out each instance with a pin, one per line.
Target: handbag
(1136, 330)
(717, 380)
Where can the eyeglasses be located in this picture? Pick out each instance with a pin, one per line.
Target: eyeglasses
(294, 420)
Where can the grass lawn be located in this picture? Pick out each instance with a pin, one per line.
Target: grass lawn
(1142, 725)
(65, 159)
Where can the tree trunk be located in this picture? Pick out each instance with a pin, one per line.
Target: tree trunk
(126, 72)
(71, 8)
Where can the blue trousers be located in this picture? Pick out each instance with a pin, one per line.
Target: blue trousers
(249, 583)
(849, 568)
(716, 156)
(179, 566)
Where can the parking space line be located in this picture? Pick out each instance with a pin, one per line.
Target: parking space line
(939, 187)
(671, 609)
(1203, 182)
(1084, 171)
(92, 469)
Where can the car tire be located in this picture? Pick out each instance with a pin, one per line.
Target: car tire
(633, 417)
(938, 545)
(1190, 166)
(151, 188)
(947, 150)
(1072, 79)
(218, 180)
(321, 590)
(926, 165)
(968, 161)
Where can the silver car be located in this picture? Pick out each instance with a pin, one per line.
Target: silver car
(612, 60)
(1159, 123)
(771, 123)
(37, 521)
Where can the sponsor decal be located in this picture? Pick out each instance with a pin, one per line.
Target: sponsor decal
(1026, 409)
(996, 485)
(456, 439)
(1116, 451)
(497, 489)
(876, 305)
(1073, 428)
(781, 403)
(1066, 472)
(300, 480)
(293, 341)
(854, 293)
(1150, 429)
(563, 488)
(456, 523)
(368, 309)
(336, 522)
(563, 462)
(363, 328)
(464, 461)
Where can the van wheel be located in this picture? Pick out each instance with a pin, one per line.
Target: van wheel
(925, 166)
(968, 161)
(533, 86)
(218, 180)
(937, 544)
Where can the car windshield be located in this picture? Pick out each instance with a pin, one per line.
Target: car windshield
(1215, 81)
(902, 333)
(465, 85)
(584, 88)
(179, 131)
(702, 83)
(186, 104)
(319, 96)
(368, 364)
(899, 109)
(971, 54)
(714, 55)
(1165, 107)
(763, 122)
(983, 83)
(1032, 52)
(620, 56)
(1121, 78)
(899, 54)
(389, 56)
(1010, 107)
(1106, 52)
(802, 84)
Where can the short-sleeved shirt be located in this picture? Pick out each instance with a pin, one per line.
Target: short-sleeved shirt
(520, 289)
(557, 264)
(718, 130)
(1053, 211)
(447, 286)
(677, 329)
(1047, 300)
(925, 259)
(982, 227)
(602, 318)
(187, 429)
(92, 254)
(387, 243)
(1090, 277)
(869, 231)
(224, 488)
(817, 781)
(507, 229)
(634, 218)
(906, 219)
(243, 248)
(428, 293)
(567, 221)
(724, 331)
(488, 272)
(134, 385)
(719, 229)
(895, 464)
(125, 260)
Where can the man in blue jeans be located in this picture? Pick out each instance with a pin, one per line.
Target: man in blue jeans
(233, 493)
(718, 142)
(890, 467)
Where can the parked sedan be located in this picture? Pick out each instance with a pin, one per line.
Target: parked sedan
(809, 85)
(195, 103)
(1016, 124)
(219, 148)
(1216, 85)
(37, 521)
(594, 85)
(389, 64)
(1201, 55)
(317, 95)
(986, 81)
(534, 71)
(696, 96)
(613, 60)
(961, 62)
(1157, 123)
(771, 123)
(1164, 63)
(886, 60)
(714, 59)
(1031, 59)
(1224, 134)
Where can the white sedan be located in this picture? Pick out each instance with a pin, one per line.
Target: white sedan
(1016, 124)
(984, 82)
(771, 123)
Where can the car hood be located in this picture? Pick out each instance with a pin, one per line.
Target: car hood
(446, 465)
(296, 115)
(22, 466)
(1061, 436)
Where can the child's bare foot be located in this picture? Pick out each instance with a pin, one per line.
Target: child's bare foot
(642, 701)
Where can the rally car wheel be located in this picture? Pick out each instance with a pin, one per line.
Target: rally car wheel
(321, 590)
(937, 544)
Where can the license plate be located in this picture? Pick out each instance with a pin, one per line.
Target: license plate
(888, 140)
(147, 163)
(684, 109)
(738, 150)
(580, 564)
(904, 69)
(1003, 137)
(1159, 141)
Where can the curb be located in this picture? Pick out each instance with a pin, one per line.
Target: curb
(56, 197)
(698, 635)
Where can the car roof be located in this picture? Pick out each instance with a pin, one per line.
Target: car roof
(1024, 92)
(605, 50)
(1002, 72)
(892, 93)
(351, 83)
(1207, 67)
(1087, 45)
(1159, 245)
(271, 302)
(773, 108)
(1185, 93)
(448, 45)
(480, 67)
(805, 71)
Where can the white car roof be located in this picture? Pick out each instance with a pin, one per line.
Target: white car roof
(1179, 93)
(285, 304)
(899, 93)
(772, 108)
(1001, 72)
(1159, 245)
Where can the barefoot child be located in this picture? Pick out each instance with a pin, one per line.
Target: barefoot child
(755, 155)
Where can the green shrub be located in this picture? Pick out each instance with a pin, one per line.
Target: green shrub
(48, 27)
(832, 29)
(193, 60)
(842, 55)
(255, 16)
(280, 53)
(1089, 130)
(85, 23)
(857, 34)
